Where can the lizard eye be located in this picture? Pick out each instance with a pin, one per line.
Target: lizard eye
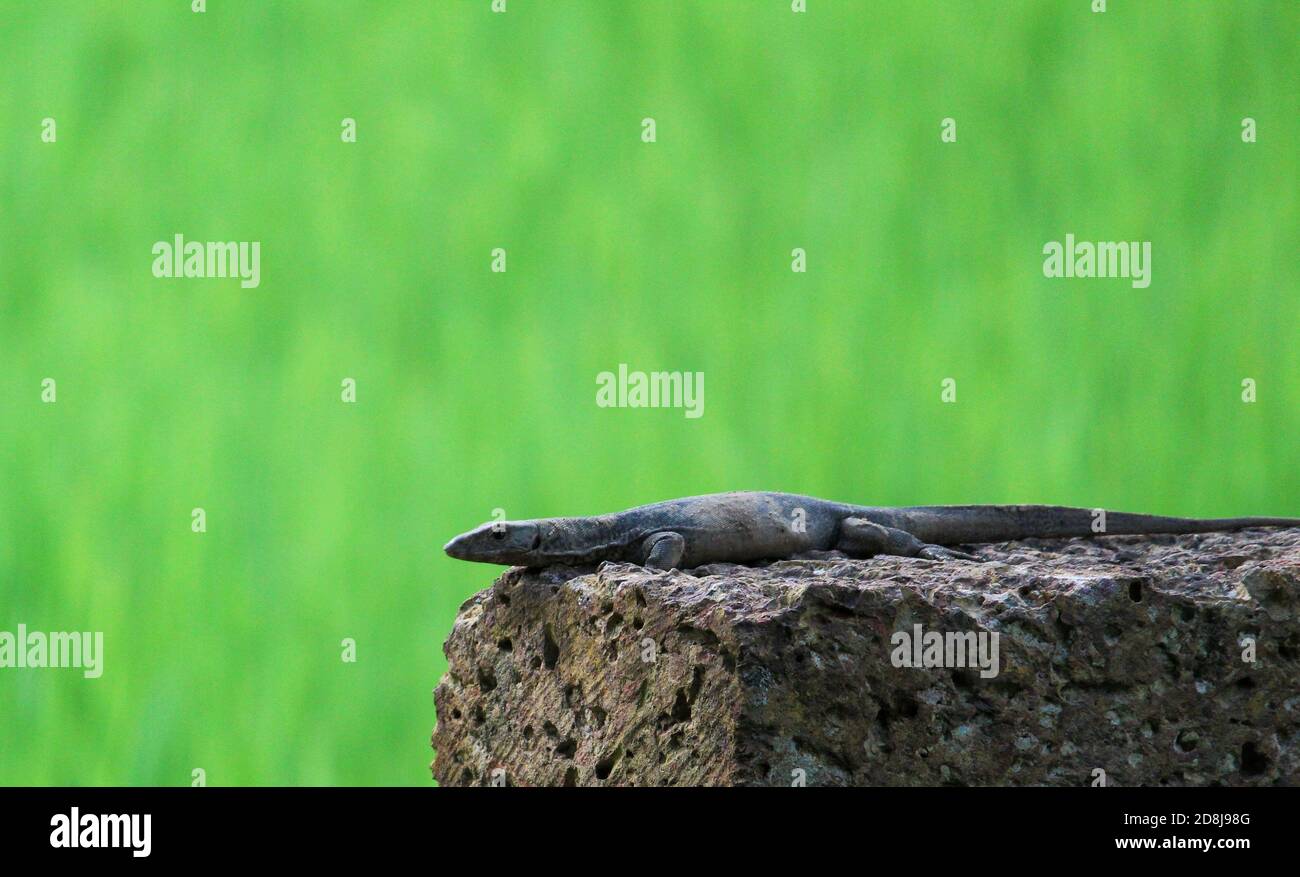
(498, 535)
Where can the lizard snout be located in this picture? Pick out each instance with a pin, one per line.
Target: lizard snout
(457, 548)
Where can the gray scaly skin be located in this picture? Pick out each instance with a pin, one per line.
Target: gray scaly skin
(745, 527)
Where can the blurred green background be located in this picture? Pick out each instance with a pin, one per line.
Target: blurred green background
(476, 390)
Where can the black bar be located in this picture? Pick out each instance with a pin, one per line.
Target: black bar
(536, 826)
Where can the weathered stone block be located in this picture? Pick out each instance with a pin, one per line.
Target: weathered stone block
(1128, 655)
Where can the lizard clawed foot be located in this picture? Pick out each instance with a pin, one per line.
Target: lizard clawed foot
(938, 552)
(664, 550)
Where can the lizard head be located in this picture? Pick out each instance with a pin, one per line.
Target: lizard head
(513, 543)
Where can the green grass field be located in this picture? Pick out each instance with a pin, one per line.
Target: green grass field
(476, 390)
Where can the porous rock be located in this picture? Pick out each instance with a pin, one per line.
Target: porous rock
(1167, 660)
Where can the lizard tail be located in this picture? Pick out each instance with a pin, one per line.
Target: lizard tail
(953, 525)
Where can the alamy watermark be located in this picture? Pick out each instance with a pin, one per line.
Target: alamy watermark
(77, 830)
(1128, 259)
(925, 649)
(181, 258)
(637, 389)
(36, 650)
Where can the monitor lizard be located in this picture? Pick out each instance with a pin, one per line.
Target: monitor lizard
(750, 526)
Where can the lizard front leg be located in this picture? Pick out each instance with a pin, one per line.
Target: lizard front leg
(862, 538)
(664, 550)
